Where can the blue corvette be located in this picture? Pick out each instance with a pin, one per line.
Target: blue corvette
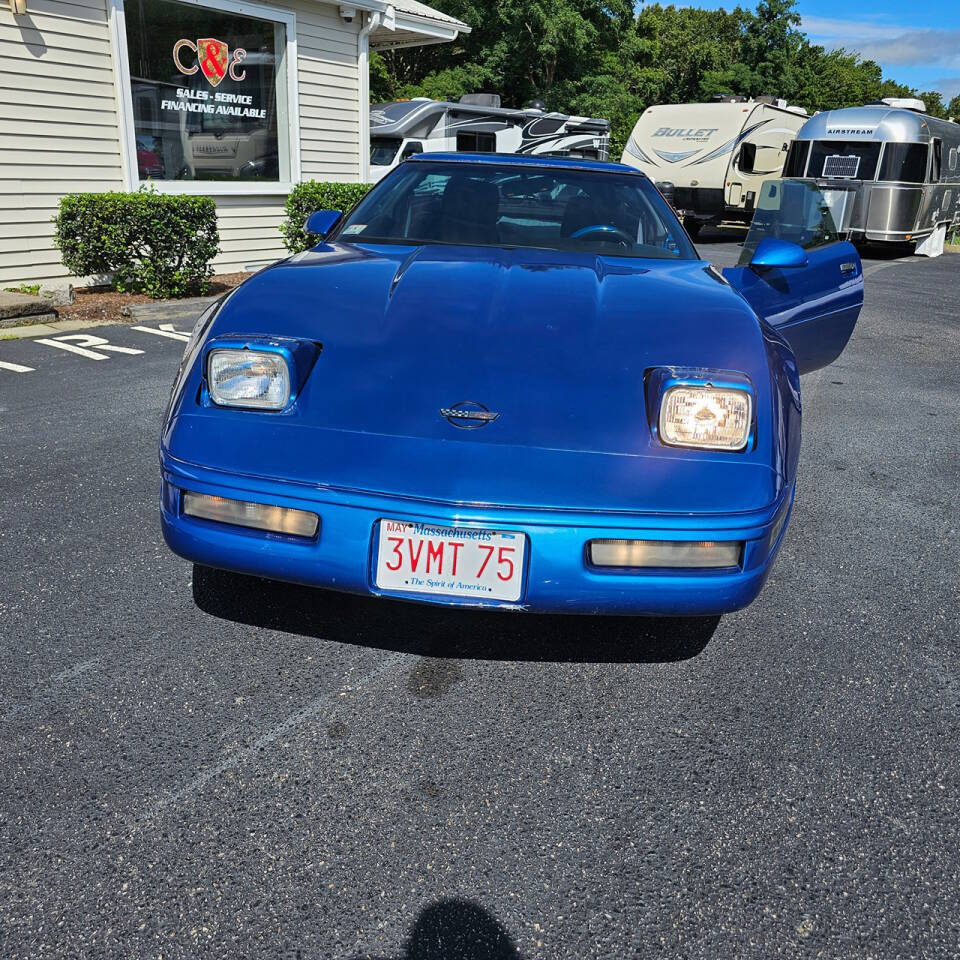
(510, 382)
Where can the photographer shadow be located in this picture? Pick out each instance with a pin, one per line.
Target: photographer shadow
(455, 632)
(457, 929)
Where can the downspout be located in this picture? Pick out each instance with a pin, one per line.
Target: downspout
(372, 21)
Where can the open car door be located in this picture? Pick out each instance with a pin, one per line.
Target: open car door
(798, 275)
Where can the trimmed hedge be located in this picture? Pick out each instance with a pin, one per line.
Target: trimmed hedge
(307, 198)
(153, 243)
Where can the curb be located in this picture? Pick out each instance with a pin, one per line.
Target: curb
(26, 331)
(168, 311)
(184, 312)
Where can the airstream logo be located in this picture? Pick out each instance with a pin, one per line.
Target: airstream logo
(693, 133)
(851, 131)
(213, 58)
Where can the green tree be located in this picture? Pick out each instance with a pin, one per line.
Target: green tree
(830, 80)
(772, 43)
(601, 58)
(934, 103)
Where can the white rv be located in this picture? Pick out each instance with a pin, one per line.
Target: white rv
(478, 124)
(710, 159)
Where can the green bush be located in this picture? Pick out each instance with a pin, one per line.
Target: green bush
(307, 198)
(153, 243)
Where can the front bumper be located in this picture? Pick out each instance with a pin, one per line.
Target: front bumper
(558, 576)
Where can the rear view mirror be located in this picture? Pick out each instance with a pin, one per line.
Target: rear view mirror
(772, 252)
(321, 222)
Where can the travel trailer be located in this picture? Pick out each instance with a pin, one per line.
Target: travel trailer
(710, 159)
(888, 170)
(477, 123)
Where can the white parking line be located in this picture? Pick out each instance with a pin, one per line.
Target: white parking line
(165, 330)
(876, 267)
(85, 341)
(14, 367)
(72, 349)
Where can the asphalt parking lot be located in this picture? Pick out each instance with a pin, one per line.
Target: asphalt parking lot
(206, 768)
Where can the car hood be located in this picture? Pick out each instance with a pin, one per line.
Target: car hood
(556, 344)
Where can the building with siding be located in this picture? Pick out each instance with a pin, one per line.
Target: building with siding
(224, 98)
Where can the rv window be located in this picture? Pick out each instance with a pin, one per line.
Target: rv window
(904, 162)
(469, 142)
(383, 150)
(953, 159)
(862, 156)
(793, 210)
(747, 158)
(935, 156)
(796, 164)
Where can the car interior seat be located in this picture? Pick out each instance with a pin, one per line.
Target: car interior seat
(469, 211)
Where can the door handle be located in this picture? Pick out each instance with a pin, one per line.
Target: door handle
(848, 267)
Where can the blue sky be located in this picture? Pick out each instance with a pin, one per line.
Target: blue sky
(915, 43)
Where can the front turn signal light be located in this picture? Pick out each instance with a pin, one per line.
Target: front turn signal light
(243, 513)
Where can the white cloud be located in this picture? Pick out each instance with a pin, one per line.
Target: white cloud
(949, 87)
(842, 30)
(888, 44)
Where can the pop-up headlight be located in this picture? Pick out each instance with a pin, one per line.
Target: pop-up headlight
(248, 378)
(705, 416)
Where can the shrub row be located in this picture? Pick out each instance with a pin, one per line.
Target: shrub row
(306, 198)
(163, 244)
(153, 243)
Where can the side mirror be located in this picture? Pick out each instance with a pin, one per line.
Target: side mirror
(773, 252)
(321, 222)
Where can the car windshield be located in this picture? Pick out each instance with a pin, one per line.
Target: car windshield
(506, 205)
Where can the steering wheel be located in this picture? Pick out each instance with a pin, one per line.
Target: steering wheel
(606, 232)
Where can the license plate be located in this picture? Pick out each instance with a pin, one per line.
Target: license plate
(450, 561)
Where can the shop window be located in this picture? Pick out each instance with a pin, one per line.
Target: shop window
(209, 93)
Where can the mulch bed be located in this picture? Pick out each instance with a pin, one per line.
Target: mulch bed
(96, 305)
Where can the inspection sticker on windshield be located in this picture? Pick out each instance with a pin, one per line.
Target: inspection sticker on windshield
(452, 561)
(354, 228)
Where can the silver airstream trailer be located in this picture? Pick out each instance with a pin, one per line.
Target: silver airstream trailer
(888, 170)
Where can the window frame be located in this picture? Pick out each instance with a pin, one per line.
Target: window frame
(935, 165)
(476, 134)
(128, 147)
